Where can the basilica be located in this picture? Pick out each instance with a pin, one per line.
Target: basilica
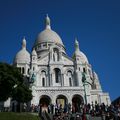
(56, 78)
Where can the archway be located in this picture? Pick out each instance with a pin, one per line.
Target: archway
(44, 102)
(69, 73)
(43, 78)
(57, 75)
(61, 100)
(77, 101)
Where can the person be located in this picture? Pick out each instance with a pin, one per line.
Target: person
(103, 115)
(78, 117)
(49, 108)
(40, 110)
(69, 108)
(84, 114)
(56, 109)
(107, 116)
(60, 109)
(65, 108)
(24, 107)
(52, 108)
(118, 116)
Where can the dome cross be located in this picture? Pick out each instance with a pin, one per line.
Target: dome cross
(77, 44)
(47, 22)
(24, 43)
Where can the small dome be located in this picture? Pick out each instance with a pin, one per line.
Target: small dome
(23, 55)
(48, 35)
(82, 57)
(34, 53)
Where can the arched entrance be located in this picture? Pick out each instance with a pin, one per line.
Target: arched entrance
(44, 102)
(77, 101)
(61, 100)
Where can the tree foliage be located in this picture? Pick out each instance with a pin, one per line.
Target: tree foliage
(22, 94)
(12, 84)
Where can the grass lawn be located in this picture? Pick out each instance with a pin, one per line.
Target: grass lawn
(17, 116)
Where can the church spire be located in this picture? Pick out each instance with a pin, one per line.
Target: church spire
(47, 22)
(76, 45)
(24, 43)
(34, 52)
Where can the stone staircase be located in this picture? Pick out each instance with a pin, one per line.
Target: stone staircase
(46, 116)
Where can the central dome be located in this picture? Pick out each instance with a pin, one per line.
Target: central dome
(48, 35)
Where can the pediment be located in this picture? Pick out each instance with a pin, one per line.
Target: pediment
(43, 60)
(67, 60)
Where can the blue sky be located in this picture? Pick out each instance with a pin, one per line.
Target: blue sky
(96, 24)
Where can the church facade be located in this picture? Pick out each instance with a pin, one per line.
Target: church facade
(56, 78)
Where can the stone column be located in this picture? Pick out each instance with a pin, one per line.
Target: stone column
(78, 77)
(50, 55)
(61, 79)
(70, 104)
(60, 55)
(54, 103)
(26, 69)
(47, 82)
(51, 82)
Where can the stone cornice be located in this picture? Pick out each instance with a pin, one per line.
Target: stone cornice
(59, 89)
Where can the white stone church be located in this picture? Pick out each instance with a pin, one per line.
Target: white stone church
(55, 77)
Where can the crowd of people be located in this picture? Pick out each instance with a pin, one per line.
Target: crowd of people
(82, 112)
(77, 111)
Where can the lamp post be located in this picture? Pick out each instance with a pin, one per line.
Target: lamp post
(85, 82)
(107, 100)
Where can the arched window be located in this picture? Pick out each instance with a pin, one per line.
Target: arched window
(84, 70)
(33, 58)
(43, 76)
(28, 71)
(23, 70)
(43, 82)
(57, 75)
(70, 78)
(43, 73)
(33, 68)
(70, 81)
(44, 45)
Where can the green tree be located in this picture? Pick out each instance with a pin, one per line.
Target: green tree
(22, 94)
(9, 77)
(12, 84)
